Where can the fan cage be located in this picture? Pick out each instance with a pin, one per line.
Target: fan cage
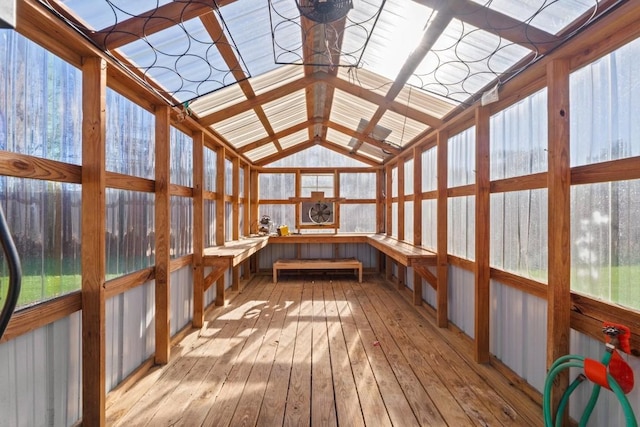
(324, 11)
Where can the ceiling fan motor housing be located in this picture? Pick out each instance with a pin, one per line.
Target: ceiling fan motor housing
(324, 11)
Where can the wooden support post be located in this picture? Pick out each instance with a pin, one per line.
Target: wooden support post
(198, 229)
(482, 248)
(163, 233)
(381, 203)
(388, 201)
(235, 278)
(402, 276)
(246, 200)
(94, 83)
(442, 299)
(235, 233)
(254, 202)
(400, 200)
(220, 219)
(559, 193)
(417, 219)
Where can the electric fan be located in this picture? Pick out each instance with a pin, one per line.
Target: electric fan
(324, 11)
(319, 213)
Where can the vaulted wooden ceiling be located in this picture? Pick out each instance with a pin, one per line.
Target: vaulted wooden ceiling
(271, 82)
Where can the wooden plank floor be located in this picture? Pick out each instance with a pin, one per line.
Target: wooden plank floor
(314, 351)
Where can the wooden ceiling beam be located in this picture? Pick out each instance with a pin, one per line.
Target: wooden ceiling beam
(258, 100)
(267, 139)
(216, 32)
(151, 22)
(499, 24)
(435, 28)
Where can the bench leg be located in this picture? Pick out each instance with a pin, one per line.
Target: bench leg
(275, 275)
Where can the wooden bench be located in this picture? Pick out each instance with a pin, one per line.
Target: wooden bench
(317, 264)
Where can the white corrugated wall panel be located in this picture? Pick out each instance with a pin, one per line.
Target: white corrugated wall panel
(130, 332)
(40, 376)
(181, 298)
(363, 252)
(518, 332)
(462, 299)
(607, 411)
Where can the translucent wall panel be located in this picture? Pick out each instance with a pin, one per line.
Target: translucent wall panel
(605, 103)
(130, 137)
(358, 218)
(461, 226)
(317, 182)
(358, 185)
(317, 156)
(430, 169)
(605, 241)
(462, 158)
(519, 233)
(279, 214)
(181, 226)
(40, 101)
(228, 221)
(519, 138)
(228, 177)
(394, 182)
(130, 332)
(241, 179)
(210, 169)
(209, 223)
(276, 186)
(44, 219)
(130, 239)
(408, 177)
(394, 219)
(41, 376)
(608, 411)
(181, 158)
(241, 220)
(430, 224)
(518, 332)
(408, 222)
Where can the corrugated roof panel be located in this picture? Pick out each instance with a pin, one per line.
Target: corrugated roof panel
(276, 78)
(348, 109)
(99, 14)
(217, 101)
(550, 16)
(249, 25)
(258, 153)
(431, 104)
(463, 60)
(403, 129)
(372, 152)
(294, 139)
(366, 79)
(286, 111)
(338, 137)
(398, 31)
(241, 129)
(358, 27)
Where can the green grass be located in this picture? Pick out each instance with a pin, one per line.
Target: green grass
(37, 288)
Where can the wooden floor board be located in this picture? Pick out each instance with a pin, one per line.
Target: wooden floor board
(317, 352)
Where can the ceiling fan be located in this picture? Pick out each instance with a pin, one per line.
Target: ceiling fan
(324, 11)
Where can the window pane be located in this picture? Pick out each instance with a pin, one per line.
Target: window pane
(130, 239)
(181, 226)
(44, 219)
(228, 177)
(462, 158)
(280, 215)
(394, 219)
(40, 101)
(461, 226)
(358, 218)
(130, 137)
(317, 182)
(209, 223)
(210, 169)
(276, 186)
(408, 177)
(605, 236)
(394, 182)
(408, 222)
(181, 158)
(430, 169)
(358, 185)
(519, 138)
(605, 102)
(430, 224)
(519, 233)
